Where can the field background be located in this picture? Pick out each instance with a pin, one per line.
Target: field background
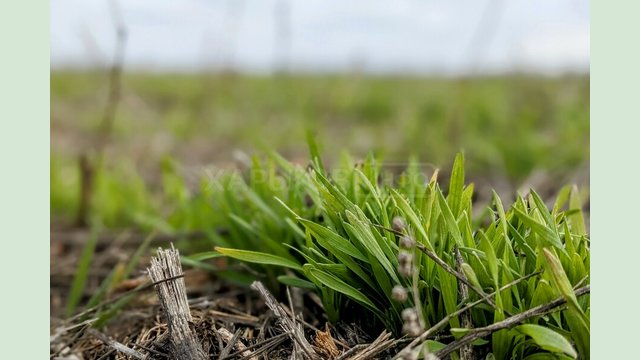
(516, 131)
(154, 160)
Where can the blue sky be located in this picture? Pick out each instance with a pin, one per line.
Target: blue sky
(421, 36)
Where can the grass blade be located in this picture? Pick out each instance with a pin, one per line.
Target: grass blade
(339, 286)
(259, 258)
(548, 339)
(82, 272)
(456, 185)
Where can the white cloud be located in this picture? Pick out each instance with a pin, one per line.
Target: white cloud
(553, 47)
(397, 35)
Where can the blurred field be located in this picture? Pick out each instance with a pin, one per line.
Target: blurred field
(513, 129)
(193, 160)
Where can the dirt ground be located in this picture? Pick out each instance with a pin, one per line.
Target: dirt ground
(226, 317)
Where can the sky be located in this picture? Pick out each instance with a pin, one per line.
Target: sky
(392, 36)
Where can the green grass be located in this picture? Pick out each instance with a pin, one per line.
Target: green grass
(337, 234)
(342, 246)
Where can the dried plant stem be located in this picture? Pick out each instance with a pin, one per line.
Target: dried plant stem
(455, 273)
(285, 321)
(466, 352)
(173, 298)
(261, 346)
(508, 322)
(382, 343)
(117, 346)
(233, 342)
(446, 267)
(88, 169)
(425, 335)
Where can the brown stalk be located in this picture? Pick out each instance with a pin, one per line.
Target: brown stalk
(425, 335)
(508, 322)
(173, 298)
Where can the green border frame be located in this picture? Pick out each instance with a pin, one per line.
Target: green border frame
(615, 132)
(24, 189)
(24, 212)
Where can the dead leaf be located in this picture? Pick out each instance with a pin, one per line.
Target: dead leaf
(325, 343)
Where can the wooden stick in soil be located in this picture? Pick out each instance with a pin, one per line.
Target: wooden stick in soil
(88, 169)
(233, 342)
(173, 298)
(261, 346)
(508, 323)
(286, 322)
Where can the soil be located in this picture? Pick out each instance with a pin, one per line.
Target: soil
(216, 306)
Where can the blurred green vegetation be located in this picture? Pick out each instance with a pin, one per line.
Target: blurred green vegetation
(508, 126)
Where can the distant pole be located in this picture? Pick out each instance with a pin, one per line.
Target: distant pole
(88, 165)
(282, 16)
(483, 35)
(235, 9)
